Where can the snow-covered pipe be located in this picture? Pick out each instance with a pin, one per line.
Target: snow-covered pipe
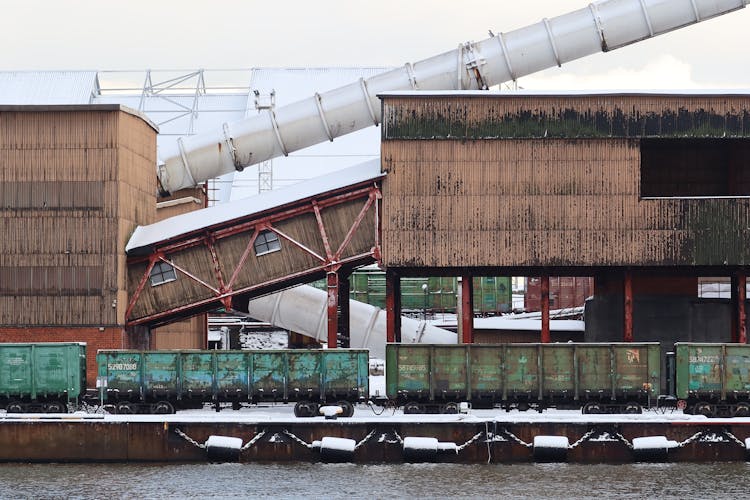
(602, 26)
(303, 309)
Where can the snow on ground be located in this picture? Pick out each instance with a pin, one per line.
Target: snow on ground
(284, 413)
(277, 339)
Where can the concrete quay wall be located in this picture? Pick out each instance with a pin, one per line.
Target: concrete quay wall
(377, 441)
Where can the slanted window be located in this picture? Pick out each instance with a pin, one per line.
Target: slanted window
(695, 168)
(267, 242)
(161, 273)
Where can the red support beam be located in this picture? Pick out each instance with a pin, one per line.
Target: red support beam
(544, 298)
(392, 306)
(333, 312)
(467, 310)
(627, 334)
(223, 291)
(344, 321)
(741, 293)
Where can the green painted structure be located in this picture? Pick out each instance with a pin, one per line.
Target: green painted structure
(160, 381)
(41, 376)
(607, 377)
(492, 294)
(713, 372)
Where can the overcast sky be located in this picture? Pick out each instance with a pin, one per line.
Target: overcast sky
(220, 34)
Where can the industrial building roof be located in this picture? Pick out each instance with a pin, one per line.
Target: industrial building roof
(185, 224)
(48, 87)
(538, 93)
(182, 103)
(34, 108)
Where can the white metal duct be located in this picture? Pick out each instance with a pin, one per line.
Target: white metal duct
(303, 309)
(602, 26)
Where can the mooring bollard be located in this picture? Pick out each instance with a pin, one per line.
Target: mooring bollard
(551, 448)
(223, 448)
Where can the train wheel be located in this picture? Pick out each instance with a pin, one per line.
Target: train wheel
(55, 407)
(125, 409)
(591, 409)
(450, 409)
(236, 405)
(523, 406)
(633, 409)
(162, 408)
(14, 407)
(742, 410)
(347, 407)
(304, 409)
(703, 408)
(411, 408)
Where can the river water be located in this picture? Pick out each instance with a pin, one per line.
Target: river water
(346, 481)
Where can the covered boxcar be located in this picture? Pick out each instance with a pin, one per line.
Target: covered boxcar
(599, 378)
(162, 381)
(713, 379)
(42, 377)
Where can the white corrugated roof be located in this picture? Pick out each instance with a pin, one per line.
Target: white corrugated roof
(212, 108)
(194, 221)
(295, 84)
(47, 87)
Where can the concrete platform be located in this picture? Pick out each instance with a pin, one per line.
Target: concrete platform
(274, 434)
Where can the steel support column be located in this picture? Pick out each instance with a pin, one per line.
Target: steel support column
(333, 309)
(392, 306)
(467, 310)
(627, 334)
(739, 296)
(545, 334)
(344, 321)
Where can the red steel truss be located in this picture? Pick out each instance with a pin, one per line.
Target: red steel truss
(330, 263)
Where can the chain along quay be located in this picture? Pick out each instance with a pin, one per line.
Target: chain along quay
(373, 435)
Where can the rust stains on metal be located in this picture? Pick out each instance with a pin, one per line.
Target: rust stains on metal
(477, 441)
(565, 181)
(513, 117)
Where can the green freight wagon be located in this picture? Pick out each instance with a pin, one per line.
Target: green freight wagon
(161, 381)
(598, 378)
(713, 379)
(42, 377)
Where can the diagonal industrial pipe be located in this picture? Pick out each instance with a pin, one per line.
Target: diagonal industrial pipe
(602, 26)
(302, 309)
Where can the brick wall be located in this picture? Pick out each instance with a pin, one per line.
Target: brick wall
(110, 338)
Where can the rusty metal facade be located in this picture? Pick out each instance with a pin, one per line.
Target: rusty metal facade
(521, 181)
(478, 440)
(74, 183)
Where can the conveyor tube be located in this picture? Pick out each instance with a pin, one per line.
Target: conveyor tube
(303, 310)
(602, 26)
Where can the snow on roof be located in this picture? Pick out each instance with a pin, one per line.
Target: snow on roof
(508, 323)
(207, 217)
(47, 87)
(582, 93)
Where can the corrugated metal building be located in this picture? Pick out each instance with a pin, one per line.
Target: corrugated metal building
(644, 191)
(76, 181)
(182, 103)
